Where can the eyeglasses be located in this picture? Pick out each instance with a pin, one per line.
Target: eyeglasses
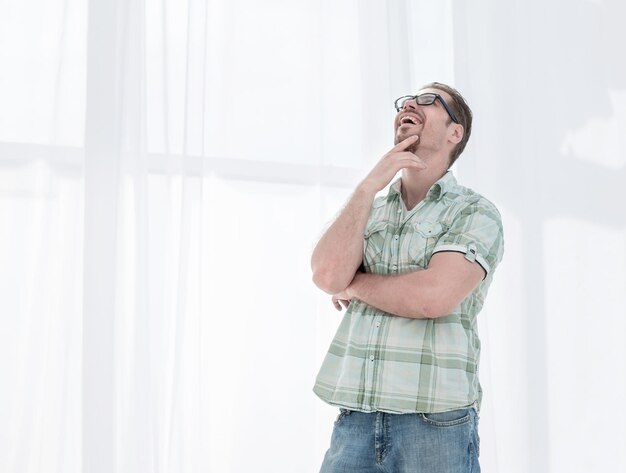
(425, 99)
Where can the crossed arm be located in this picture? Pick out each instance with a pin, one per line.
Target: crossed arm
(427, 294)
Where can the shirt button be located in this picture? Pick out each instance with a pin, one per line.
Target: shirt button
(371, 357)
(377, 324)
(396, 237)
(394, 267)
(399, 210)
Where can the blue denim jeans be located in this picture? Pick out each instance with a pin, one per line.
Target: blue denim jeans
(377, 442)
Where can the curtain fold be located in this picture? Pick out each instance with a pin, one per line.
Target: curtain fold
(166, 168)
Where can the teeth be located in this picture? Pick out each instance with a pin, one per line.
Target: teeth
(408, 119)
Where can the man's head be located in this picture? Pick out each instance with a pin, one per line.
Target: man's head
(439, 115)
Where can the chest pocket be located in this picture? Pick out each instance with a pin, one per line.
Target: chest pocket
(374, 245)
(423, 241)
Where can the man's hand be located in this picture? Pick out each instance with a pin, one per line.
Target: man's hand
(341, 300)
(392, 162)
(344, 297)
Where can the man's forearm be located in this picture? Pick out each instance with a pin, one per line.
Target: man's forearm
(339, 253)
(424, 294)
(405, 295)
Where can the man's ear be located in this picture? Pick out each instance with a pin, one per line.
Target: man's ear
(456, 133)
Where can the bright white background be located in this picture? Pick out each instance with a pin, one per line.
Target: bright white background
(166, 167)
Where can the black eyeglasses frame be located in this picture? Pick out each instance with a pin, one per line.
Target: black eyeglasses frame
(435, 96)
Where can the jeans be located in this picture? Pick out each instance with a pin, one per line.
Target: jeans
(378, 442)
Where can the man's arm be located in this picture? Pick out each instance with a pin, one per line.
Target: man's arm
(339, 253)
(427, 294)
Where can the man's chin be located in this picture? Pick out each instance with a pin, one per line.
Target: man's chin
(402, 136)
(413, 148)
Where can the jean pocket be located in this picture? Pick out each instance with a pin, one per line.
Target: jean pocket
(476, 442)
(448, 419)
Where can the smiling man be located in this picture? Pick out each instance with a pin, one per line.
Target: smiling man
(412, 268)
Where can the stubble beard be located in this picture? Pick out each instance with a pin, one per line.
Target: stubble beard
(412, 148)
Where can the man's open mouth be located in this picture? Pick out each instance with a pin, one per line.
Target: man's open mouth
(408, 120)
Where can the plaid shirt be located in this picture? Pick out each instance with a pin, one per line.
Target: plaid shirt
(381, 362)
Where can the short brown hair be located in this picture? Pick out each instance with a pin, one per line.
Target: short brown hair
(463, 115)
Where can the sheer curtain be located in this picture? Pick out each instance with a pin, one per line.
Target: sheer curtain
(166, 168)
(42, 97)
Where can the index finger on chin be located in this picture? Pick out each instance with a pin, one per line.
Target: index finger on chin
(405, 143)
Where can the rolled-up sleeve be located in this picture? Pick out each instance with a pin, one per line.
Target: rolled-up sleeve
(477, 233)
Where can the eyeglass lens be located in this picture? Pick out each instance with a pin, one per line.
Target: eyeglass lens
(424, 99)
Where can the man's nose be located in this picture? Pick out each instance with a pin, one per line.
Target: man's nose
(410, 105)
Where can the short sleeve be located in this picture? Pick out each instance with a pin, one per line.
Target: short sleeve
(476, 231)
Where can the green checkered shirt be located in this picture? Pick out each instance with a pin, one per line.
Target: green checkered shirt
(381, 362)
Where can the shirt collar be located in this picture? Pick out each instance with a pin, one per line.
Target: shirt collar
(436, 191)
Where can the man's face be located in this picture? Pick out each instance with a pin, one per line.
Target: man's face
(429, 122)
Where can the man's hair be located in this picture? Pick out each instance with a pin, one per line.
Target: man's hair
(462, 112)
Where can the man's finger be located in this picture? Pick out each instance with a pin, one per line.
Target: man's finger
(405, 143)
(337, 302)
(412, 161)
(415, 161)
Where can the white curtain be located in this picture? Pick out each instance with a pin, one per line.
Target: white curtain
(166, 168)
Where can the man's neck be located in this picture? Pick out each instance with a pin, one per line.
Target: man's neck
(416, 184)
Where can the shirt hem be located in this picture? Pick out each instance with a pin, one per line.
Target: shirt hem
(358, 408)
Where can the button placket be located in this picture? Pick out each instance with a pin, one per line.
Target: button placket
(396, 246)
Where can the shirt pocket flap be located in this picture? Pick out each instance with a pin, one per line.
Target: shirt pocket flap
(429, 229)
(374, 228)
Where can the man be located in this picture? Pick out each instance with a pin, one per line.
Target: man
(412, 268)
